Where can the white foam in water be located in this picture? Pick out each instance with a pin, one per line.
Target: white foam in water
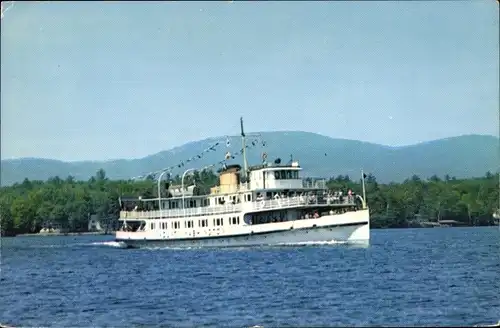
(170, 248)
(243, 247)
(307, 243)
(98, 243)
(109, 244)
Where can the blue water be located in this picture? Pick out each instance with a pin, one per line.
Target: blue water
(418, 277)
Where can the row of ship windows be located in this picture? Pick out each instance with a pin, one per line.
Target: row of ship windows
(233, 199)
(205, 202)
(286, 175)
(201, 223)
(174, 204)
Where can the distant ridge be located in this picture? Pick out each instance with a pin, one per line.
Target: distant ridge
(461, 156)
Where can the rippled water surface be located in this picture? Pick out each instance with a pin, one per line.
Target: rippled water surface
(418, 277)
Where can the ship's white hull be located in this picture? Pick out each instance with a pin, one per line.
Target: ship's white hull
(353, 227)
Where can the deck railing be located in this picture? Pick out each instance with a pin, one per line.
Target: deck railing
(288, 202)
(175, 213)
(314, 183)
(258, 205)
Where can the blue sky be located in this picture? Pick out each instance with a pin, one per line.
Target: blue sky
(104, 80)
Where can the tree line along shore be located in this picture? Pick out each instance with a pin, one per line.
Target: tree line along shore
(29, 206)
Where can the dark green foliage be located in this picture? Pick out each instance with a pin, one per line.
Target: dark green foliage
(415, 201)
(28, 206)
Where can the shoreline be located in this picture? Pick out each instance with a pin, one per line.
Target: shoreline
(48, 234)
(98, 233)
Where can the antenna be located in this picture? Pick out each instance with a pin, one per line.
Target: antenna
(243, 142)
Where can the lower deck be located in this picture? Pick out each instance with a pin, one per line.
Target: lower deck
(237, 225)
(358, 233)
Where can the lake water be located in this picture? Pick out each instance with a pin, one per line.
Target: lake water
(417, 277)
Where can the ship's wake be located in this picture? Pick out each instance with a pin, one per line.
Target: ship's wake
(115, 244)
(262, 246)
(316, 243)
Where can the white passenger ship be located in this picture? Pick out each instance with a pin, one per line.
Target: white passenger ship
(261, 205)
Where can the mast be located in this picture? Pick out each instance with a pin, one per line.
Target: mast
(243, 143)
(364, 190)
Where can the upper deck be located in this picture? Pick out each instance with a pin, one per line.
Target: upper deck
(253, 206)
(305, 185)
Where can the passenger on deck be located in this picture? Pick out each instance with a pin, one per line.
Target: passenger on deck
(312, 199)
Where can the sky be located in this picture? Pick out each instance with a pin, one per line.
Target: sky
(106, 80)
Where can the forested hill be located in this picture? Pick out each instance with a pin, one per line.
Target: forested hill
(462, 157)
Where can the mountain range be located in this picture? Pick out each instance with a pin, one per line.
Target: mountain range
(321, 156)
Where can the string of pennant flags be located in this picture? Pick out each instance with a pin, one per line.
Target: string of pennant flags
(252, 142)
